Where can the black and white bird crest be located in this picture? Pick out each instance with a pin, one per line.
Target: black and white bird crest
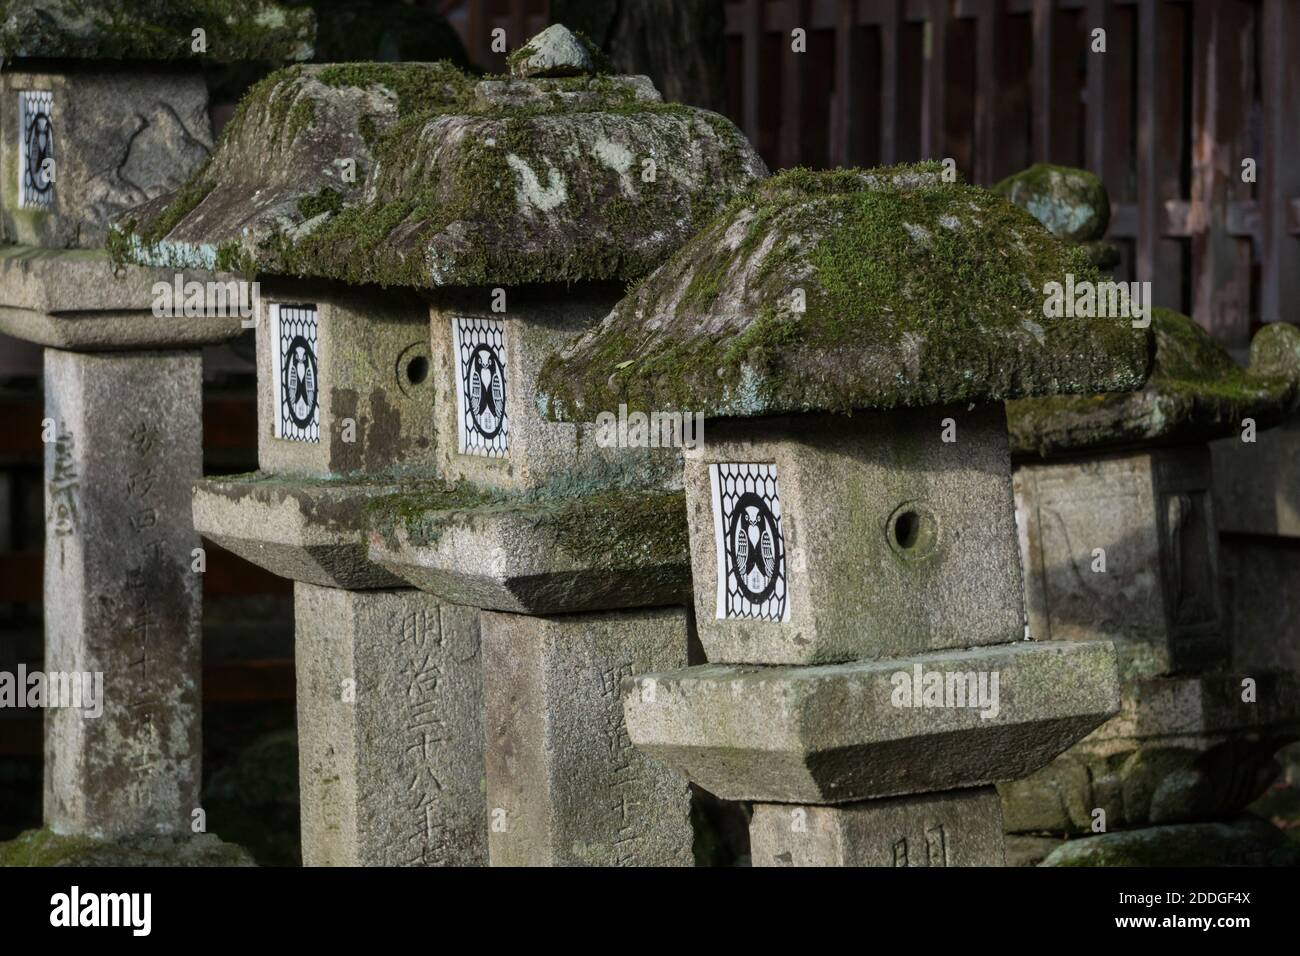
(485, 386)
(300, 382)
(755, 547)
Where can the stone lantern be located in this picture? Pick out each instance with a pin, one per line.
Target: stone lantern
(424, 241)
(1120, 542)
(102, 108)
(850, 336)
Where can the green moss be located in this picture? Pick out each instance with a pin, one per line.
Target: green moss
(236, 30)
(46, 848)
(301, 116)
(418, 87)
(369, 132)
(517, 56)
(1196, 392)
(417, 512)
(886, 256)
(434, 215)
(328, 200)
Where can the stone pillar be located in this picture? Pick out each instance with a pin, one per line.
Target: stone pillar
(121, 596)
(565, 785)
(957, 828)
(390, 727)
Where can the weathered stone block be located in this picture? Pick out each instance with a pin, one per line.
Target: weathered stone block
(116, 139)
(1186, 748)
(303, 529)
(543, 555)
(487, 425)
(1257, 484)
(865, 537)
(343, 382)
(121, 597)
(1262, 596)
(845, 732)
(952, 828)
(565, 785)
(390, 724)
(1151, 514)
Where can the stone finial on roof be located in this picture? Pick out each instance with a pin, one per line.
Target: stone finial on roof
(849, 289)
(556, 51)
(1071, 203)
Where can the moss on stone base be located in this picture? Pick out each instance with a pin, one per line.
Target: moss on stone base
(45, 848)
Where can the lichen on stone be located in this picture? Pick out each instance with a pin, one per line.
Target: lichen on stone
(1196, 392)
(235, 30)
(842, 290)
(499, 182)
(266, 178)
(1071, 203)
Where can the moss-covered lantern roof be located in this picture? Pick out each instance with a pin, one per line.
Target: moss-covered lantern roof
(1196, 392)
(234, 30)
(456, 182)
(842, 290)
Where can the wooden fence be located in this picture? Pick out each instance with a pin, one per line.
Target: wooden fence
(1183, 94)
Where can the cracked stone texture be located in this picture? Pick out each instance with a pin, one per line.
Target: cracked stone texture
(541, 453)
(544, 555)
(832, 733)
(1159, 598)
(565, 786)
(553, 52)
(1071, 203)
(155, 30)
(120, 139)
(1180, 749)
(854, 592)
(393, 777)
(370, 383)
(843, 290)
(303, 529)
(76, 299)
(121, 596)
(951, 828)
(480, 184)
(1196, 393)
